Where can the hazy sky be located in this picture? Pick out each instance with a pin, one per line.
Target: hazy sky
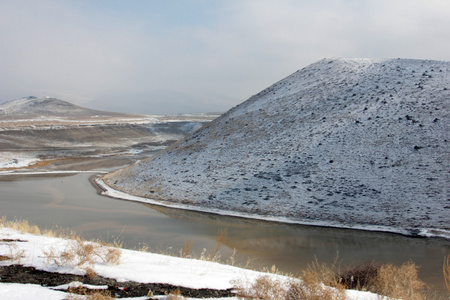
(158, 57)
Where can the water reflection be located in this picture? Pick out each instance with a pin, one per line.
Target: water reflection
(292, 247)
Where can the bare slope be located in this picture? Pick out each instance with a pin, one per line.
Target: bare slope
(343, 142)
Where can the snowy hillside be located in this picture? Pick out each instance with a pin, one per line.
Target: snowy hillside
(32, 107)
(360, 143)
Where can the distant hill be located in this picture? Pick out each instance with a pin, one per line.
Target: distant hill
(361, 143)
(47, 128)
(33, 107)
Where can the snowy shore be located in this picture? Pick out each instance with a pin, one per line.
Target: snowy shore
(134, 266)
(420, 232)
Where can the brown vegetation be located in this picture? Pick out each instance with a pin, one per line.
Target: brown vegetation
(400, 282)
(84, 255)
(272, 288)
(446, 270)
(321, 281)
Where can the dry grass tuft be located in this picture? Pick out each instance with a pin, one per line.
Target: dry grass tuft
(112, 256)
(271, 288)
(400, 282)
(313, 291)
(81, 293)
(25, 227)
(446, 271)
(175, 295)
(222, 235)
(15, 254)
(20, 225)
(264, 287)
(90, 273)
(186, 251)
(322, 273)
(84, 255)
(320, 281)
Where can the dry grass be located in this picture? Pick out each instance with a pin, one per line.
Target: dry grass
(264, 288)
(15, 254)
(446, 271)
(317, 279)
(186, 251)
(81, 293)
(272, 288)
(400, 282)
(78, 252)
(321, 281)
(83, 254)
(24, 226)
(175, 295)
(222, 235)
(20, 225)
(212, 254)
(313, 291)
(322, 273)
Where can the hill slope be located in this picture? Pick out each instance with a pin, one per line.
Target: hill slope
(33, 107)
(343, 142)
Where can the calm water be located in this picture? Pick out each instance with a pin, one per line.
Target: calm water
(70, 201)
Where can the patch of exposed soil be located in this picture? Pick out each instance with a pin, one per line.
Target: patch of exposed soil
(30, 275)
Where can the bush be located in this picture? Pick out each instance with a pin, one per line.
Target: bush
(270, 288)
(84, 255)
(360, 277)
(399, 282)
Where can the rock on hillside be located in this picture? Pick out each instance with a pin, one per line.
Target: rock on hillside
(360, 143)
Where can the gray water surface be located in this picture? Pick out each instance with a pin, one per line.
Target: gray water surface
(71, 202)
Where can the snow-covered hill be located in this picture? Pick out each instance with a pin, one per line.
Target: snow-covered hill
(32, 107)
(360, 143)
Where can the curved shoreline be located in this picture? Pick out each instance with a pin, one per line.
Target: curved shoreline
(106, 190)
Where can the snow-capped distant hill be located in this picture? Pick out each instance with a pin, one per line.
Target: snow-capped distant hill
(32, 107)
(343, 142)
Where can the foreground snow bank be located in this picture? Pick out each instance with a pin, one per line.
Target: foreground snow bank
(134, 266)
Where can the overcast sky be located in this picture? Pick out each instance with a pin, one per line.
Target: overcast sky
(158, 57)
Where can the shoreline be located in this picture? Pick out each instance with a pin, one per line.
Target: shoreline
(105, 190)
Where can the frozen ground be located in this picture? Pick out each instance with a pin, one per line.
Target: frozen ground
(12, 160)
(356, 143)
(134, 266)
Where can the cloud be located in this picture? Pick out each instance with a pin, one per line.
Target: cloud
(160, 57)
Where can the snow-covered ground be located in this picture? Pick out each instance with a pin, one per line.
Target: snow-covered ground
(355, 143)
(12, 160)
(134, 266)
